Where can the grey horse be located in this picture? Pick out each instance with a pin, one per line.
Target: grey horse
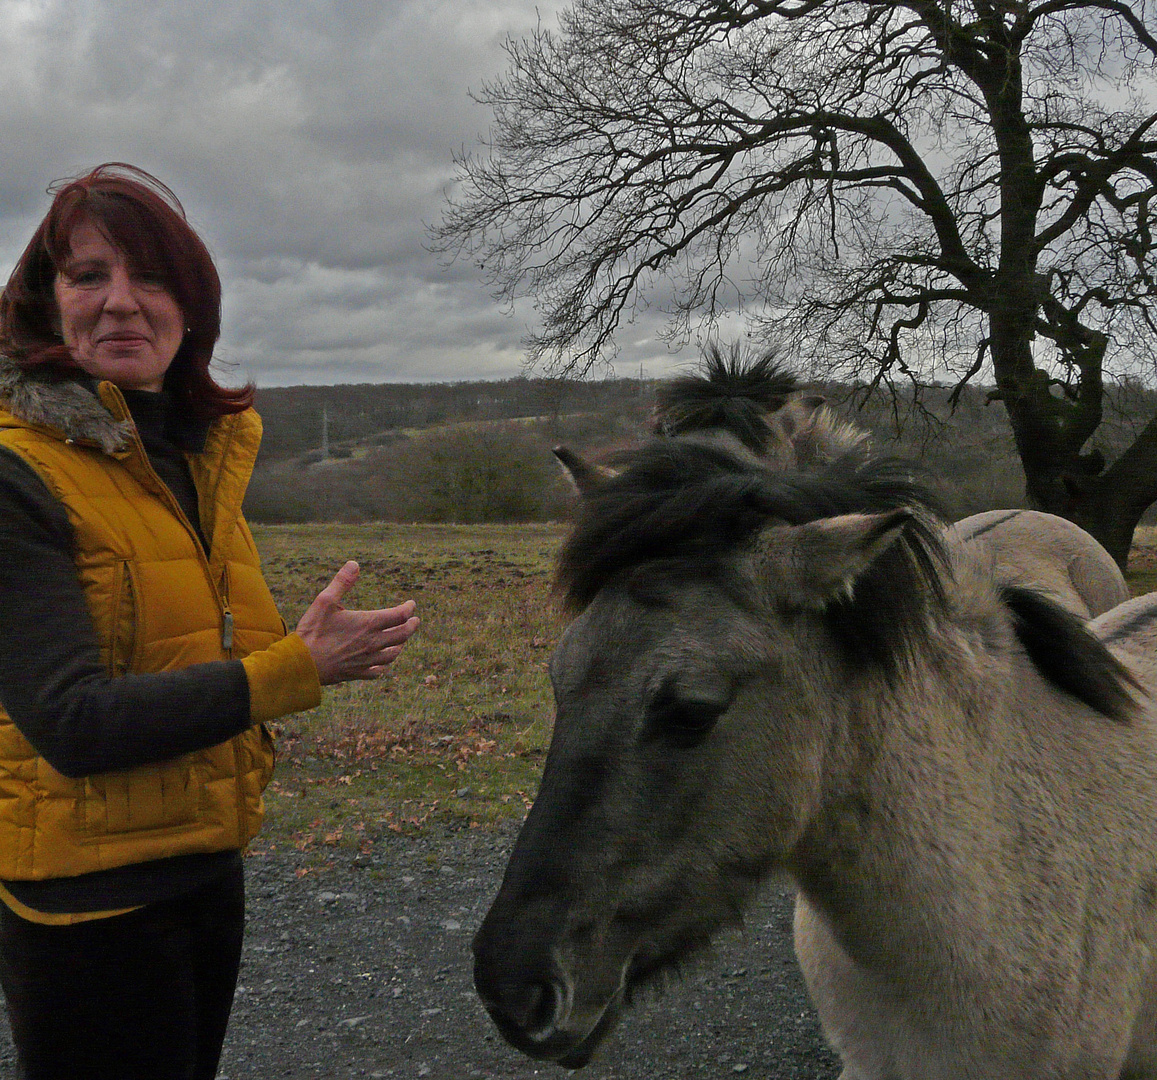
(775, 672)
(757, 402)
(1047, 552)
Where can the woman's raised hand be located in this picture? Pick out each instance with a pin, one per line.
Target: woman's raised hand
(347, 644)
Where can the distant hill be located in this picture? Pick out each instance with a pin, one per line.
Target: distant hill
(357, 415)
(480, 451)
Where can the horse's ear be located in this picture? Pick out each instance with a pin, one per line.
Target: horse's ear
(797, 415)
(583, 476)
(816, 434)
(810, 566)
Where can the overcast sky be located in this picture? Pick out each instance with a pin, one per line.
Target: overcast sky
(310, 141)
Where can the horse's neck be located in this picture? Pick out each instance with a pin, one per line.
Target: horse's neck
(988, 784)
(909, 790)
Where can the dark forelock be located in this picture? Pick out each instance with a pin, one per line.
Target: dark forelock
(732, 393)
(682, 500)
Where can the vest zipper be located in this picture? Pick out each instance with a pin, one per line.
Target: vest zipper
(162, 490)
(226, 613)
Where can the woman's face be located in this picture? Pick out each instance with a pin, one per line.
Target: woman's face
(119, 322)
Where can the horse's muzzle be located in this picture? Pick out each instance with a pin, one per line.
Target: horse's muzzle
(532, 1005)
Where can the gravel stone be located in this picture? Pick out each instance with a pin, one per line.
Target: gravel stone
(351, 972)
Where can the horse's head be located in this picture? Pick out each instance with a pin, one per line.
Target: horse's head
(721, 609)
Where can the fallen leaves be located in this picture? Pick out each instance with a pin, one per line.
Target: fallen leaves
(406, 745)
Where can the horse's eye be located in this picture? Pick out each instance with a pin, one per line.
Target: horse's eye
(683, 722)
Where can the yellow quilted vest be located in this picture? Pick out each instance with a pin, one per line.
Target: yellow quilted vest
(158, 604)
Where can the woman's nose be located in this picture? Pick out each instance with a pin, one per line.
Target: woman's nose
(121, 295)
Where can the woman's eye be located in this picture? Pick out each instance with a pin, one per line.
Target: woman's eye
(87, 278)
(150, 280)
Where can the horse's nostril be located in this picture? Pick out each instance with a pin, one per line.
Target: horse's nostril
(536, 1008)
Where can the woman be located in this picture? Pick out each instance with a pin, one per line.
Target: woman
(140, 649)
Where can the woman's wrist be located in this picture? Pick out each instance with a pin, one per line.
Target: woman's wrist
(282, 680)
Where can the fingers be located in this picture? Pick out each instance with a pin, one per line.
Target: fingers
(377, 629)
(343, 581)
(351, 644)
(387, 647)
(385, 618)
(385, 659)
(368, 662)
(400, 633)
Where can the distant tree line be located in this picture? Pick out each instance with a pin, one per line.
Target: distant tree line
(477, 452)
(358, 413)
(462, 452)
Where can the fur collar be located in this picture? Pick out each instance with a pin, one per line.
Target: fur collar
(48, 398)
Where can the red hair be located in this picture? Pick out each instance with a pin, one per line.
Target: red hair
(145, 220)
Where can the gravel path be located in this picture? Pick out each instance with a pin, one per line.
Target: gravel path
(363, 970)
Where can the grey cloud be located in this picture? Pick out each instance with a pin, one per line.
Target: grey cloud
(310, 142)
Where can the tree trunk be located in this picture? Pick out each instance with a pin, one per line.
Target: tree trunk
(1111, 504)
(1050, 432)
(1059, 479)
(1102, 514)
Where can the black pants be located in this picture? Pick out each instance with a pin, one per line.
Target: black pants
(142, 996)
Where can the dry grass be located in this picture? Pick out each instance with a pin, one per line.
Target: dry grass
(456, 732)
(1142, 572)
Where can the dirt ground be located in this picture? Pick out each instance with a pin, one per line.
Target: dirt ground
(363, 970)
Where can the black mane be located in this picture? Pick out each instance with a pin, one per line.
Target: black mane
(733, 393)
(684, 508)
(694, 505)
(1067, 653)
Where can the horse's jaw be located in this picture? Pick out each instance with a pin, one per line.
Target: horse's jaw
(557, 1000)
(571, 1049)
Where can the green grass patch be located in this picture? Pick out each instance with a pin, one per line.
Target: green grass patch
(455, 733)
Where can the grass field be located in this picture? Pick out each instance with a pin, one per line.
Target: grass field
(1142, 572)
(456, 731)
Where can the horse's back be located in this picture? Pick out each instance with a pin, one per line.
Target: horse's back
(1130, 632)
(1131, 629)
(1045, 552)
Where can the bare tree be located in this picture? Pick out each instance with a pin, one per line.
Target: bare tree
(914, 190)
